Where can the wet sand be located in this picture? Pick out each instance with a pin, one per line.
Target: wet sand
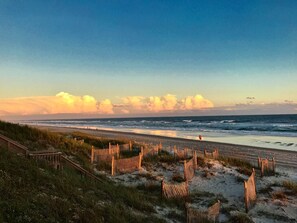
(250, 153)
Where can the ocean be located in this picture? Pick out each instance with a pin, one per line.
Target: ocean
(268, 131)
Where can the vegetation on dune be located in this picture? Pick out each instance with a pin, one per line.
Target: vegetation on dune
(34, 192)
(243, 166)
(290, 185)
(37, 193)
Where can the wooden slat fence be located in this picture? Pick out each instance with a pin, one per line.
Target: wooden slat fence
(181, 153)
(174, 190)
(250, 195)
(126, 165)
(53, 158)
(211, 214)
(211, 155)
(190, 167)
(148, 151)
(104, 155)
(266, 166)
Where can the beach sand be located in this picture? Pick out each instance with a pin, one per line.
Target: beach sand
(283, 158)
(222, 183)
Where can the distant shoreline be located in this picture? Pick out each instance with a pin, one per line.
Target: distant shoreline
(249, 153)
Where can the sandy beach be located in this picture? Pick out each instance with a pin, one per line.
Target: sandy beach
(283, 158)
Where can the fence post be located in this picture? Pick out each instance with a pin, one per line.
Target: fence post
(118, 151)
(92, 154)
(259, 162)
(195, 159)
(262, 168)
(185, 171)
(139, 161)
(130, 145)
(246, 197)
(112, 166)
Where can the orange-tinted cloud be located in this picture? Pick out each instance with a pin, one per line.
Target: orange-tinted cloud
(61, 103)
(195, 103)
(167, 102)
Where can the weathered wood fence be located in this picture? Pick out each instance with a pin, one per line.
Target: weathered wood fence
(148, 151)
(211, 155)
(181, 153)
(211, 214)
(190, 167)
(53, 158)
(13, 145)
(20, 149)
(250, 195)
(174, 190)
(126, 165)
(266, 166)
(104, 155)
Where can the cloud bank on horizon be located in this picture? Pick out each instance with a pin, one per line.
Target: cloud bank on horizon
(65, 103)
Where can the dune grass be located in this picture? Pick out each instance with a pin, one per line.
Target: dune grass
(243, 166)
(31, 191)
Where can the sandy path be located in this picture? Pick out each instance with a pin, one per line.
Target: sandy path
(249, 153)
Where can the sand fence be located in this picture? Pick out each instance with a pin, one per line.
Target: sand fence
(181, 153)
(266, 166)
(196, 215)
(148, 151)
(126, 147)
(211, 155)
(126, 165)
(250, 195)
(174, 190)
(190, 167)
(104, 155)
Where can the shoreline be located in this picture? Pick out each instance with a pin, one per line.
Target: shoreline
(283, 158)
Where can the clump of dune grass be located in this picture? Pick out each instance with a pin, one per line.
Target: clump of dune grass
(240, 218)
(280, 195)
(243, 166)
(290, 185)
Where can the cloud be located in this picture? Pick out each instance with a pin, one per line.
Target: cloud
(167, 102)
(135, 102)
(195, 103)
(61, 103)
(105, 107)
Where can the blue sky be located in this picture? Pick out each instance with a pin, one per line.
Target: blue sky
(223, 50)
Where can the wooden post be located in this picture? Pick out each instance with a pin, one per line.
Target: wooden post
(118, 151)
(130, 145)
(112, 166)
(259, 162)
(262, 168)
(195, 159)
(139, 161)
(185, 171)
(246, 201)
(141, 150)
(109, 145)
(92, 154)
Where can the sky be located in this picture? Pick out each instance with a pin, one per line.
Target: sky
(133, 58)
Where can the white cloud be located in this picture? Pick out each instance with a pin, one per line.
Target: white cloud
(61, 103)
(167, 102)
